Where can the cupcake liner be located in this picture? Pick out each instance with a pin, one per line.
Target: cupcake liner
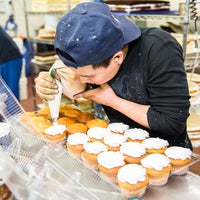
(158, 180)
(112, 177)
(179, 170)
(90, 163)
(135, 193)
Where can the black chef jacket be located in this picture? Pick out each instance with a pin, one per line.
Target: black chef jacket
(153, 74)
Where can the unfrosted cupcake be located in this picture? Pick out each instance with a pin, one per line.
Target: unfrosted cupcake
(118, 127)
(133, 152)
(109, 163)
(77, 128)
(136, 135)
(75, 143)
(180, 157)
(155, 145)
(114, 141)
(97, 123)
(91, 151)
(133, 180)
(97, 133)
(158, 168)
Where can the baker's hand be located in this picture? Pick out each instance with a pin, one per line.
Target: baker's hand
(45, 86)
(102, 95)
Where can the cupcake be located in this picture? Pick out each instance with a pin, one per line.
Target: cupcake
(114, 141)
(155, 145)
(84, 117)
(97, 133)
(118, 127)
(77, 128)
(44, 112)
(133, 152)
(136, 135)
(97, 123)
(75, 143)
(109, 163)
(133, 180)
(180, 157)
(71, 112)
(56, 133)
(91, 151)
(66, 121)
(157, 167)
(5, 138)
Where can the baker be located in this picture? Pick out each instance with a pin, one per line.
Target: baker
(137, 74)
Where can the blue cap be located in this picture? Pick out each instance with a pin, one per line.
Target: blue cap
(90, 33)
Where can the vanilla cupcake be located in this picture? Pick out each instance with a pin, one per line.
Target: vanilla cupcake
(133, 152)
(136, 135)
(75, 143)
(133, 180)
(158, 168)
(180, 157)
(118, 127)
(56, 133)
(109, 163)
(155, 145)
(97, 133)
(114, 141)
(91, 151)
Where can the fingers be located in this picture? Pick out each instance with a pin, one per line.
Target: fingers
(45, 86)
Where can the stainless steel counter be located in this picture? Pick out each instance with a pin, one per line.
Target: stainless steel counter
(177, 188)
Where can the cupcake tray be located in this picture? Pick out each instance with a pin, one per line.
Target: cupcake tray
(34, 168)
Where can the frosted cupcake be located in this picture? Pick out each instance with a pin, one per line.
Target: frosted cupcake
(56, 133)
(136, 135)
(158, 168)
(133, 180)
(97, 133)
(114, 141)
(75, 143)
(118, 127)
(180, 157)
(133, 152)
(91, 151)
(155, 145)
(109, 163)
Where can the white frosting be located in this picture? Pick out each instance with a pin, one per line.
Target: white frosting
(118, 127)
(176, 152)
(110, 159)
(136, 134)
(114, 140)
(155, 161)
(56, 129)
(133, 149)
(155, 143)
(4, 129)
(98, 132)
(94, 147)
(131, 173)
(77, 138)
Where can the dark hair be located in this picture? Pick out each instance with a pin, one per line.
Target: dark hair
(104, 63)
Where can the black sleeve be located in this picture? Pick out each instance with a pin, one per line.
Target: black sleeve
(167, 86)
(8, 48)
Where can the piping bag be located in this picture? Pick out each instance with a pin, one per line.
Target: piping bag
(54, 105)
